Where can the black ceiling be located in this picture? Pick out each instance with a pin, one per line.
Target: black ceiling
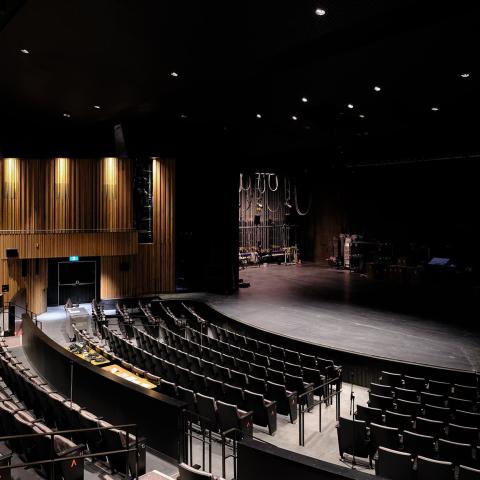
(234, 61)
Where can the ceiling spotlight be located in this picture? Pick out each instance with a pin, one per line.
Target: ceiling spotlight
(362, 115)
(66, 115)
(259, 115)
(294, 117)
(377, 88)
(25, 51)
(96, 107)
(182, 115)
(320, 12)
(350, 106)
(304, 99)
(435, 109)
(174, 74)
(465, 75)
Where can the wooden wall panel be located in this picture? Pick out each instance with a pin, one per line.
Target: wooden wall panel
(52, 245)
(153, 269)
(29, 291)
(66, 194)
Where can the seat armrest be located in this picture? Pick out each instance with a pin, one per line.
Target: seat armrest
(242, 414)
(291, 394)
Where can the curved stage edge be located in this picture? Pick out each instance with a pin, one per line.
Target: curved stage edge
(159, 418)
(358, 368)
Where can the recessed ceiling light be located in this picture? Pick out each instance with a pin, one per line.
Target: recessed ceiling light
(320, 12)
(304, 99)
(350, 105)
(182, 115)
(294, 117)
(465, 75)
(174, 74)
(66, 115)
(259, 115)
(362, 115)
(377, 88)
(435, 109)
(25, 51)
(97, 107)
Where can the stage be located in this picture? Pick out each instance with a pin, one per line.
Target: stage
(347, 311)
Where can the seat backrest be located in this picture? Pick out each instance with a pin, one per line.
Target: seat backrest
(437, 413)
(455, 452)
(254, 401)
(187, 396)
(394, 465)
(275, 376)
(468, 419)
(398, 420)
(406, 394)
(460, 403)
(227, 416)
(369, 414)
(417, 444)
(206, 408)
(427, 426)
(414, 383)
(459, 433)
(408, 407)
(428, 469)
(379, 401)
(382, 436)
(432, 399)
(465, 391)
(468, 473)
(233, 395)
(441, 388)
(393, 379)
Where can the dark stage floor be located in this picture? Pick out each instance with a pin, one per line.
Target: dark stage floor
(350, 312)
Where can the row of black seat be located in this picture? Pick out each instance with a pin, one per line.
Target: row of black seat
(242, 373)
(58, 413)
(395, 465)
(355, 437)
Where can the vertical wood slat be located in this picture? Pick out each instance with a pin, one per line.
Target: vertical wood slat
(152, 270)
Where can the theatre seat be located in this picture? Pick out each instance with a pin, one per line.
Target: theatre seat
(286, 400)
(207, 411)
(264, 411)
(230, 417)
(458, 433)
(468, 473)
(457, 453)
(398, 420)
(190, 473)
(382, 436)
(234, 395)
(468, 419)
(427, 426)
(414, 383)
(394, 465)
(427, 398)
(381, 402)
(392, 379)
(352, 439)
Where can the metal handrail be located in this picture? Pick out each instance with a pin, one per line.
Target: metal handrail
(53, 460)
(323, 399)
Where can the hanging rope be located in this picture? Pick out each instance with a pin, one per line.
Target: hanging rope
(276, 182)
(257, 186)
(302, 214)
(241, 188)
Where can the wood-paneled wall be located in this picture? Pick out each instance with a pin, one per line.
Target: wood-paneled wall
(66, 194)
(153, 269)
(29, 290)
(58, 245)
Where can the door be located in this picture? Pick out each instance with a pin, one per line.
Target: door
(77, 281)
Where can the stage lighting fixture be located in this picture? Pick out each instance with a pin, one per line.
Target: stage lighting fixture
(259, 115)
(294, 117)
(435, 109)
(377, 88)
(96, 107)
(25, 51)
(174, 74)
(465, 75)
(66, 115)
(320, 12)
(350, 106)
(304, 99)
(362, 115)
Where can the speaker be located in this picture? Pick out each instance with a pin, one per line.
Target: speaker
(11, 253)
(11, 319)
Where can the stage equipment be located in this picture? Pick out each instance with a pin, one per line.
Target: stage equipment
(78, 316)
